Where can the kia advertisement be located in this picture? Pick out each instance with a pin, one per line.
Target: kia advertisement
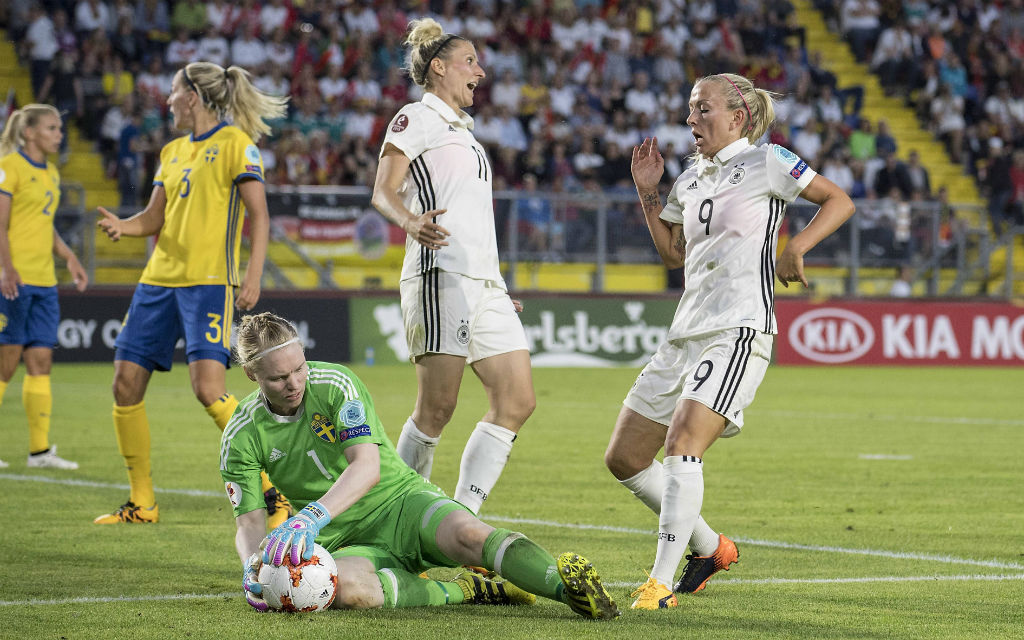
(899, 333)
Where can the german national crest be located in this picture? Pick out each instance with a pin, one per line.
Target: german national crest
(324, 428)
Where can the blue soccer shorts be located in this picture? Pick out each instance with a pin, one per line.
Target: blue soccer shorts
(31, 319)
(159, 316)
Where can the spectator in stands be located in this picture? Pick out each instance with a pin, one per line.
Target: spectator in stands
(182, 50)
(902, 286)
(639, 97)
(67, 41)
(248, 50)
(862, 141)
(918, 175)
(40, 46)
(360, 17)
(189, 15)
(885, 143)
(536, 221)
(274, 15)
(118, 82)
(153, 25)
(860, 19)
(92, 15)
(213, 47)
(895, 58)
(947, 110)
(63, 89)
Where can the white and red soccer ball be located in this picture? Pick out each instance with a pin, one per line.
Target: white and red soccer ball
(309, 586)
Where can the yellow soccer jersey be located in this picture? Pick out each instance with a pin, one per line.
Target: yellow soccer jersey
(34, 190)
(202, 233)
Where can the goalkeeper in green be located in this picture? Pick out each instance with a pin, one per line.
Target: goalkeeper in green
(312, 426)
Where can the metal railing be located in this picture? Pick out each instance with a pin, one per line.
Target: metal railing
(948, 247)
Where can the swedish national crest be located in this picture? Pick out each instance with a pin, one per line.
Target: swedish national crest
(323, 428)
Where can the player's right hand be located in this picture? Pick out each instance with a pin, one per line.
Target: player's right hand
(425, 231)
(251, 583)
(9, 282)
(110, 224)
(647, 165)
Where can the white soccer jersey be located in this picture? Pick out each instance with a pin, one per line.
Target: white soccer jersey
(731, 208)
(449, 170)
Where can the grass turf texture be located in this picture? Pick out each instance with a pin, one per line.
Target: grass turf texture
(940, 531)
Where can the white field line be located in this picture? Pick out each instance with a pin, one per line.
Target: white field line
(884, 456)
(898, 555)
(744, 581)
(175, 596)
(959, 420)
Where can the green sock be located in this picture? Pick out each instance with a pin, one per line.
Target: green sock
(404, 589)
(523, 563)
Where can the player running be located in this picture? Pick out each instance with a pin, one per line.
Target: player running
(313, 427)
(721, 224)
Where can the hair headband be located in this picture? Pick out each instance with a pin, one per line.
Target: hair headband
(438, 48)
(750, 116)
(271, 349)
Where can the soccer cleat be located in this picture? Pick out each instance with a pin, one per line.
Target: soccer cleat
(3, 465)
(49, 460)
(653, 595)
(483, 571)
(480, 590)
(278, 508)
(585, 593)
(130, 512)
(699, 569)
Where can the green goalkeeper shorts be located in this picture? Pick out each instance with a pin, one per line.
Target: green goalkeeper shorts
(404, 535)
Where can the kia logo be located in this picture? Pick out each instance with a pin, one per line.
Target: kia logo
(831, 335)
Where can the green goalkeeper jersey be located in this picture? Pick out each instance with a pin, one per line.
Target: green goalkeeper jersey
(304, 454)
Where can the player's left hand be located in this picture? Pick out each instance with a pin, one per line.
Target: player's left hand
(790, 268)
(251, 583)
(517, 305)
(297, 534)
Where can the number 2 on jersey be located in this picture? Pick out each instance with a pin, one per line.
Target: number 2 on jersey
(49, 203)
(701, 215)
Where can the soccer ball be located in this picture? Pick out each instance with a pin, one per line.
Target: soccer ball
(309, 586)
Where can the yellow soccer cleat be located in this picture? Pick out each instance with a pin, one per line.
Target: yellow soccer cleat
(278, 508)
(585, 593)
(130, 512)
(653, 595)
(480, 590)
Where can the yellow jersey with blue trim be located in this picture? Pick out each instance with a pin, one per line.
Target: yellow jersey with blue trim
(202, 233)
(34, 190)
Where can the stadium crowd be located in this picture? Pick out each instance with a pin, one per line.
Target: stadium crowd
(572, 86)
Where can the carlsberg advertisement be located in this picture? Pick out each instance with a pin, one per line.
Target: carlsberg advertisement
(561, 332)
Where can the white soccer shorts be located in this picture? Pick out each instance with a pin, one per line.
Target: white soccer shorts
(452, 314)
(721, 371)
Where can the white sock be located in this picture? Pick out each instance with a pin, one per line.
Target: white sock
(680, 508)
(416, 448)
(649, 486)
(483, 459)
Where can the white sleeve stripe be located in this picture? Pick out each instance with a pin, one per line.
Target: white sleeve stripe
(235, 425)
(319, 375)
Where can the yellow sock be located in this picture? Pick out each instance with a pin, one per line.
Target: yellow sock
(38, 401)
(3, 390)
(221, 409)
(132, 427)
(267, 484)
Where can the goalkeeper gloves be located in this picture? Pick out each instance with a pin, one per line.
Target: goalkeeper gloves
(298, 534)
(251, 583)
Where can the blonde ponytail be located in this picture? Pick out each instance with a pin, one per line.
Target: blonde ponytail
(740, 93)
(13, 136)
(230, 92)
(426, 41)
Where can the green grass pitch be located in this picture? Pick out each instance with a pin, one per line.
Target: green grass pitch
(866, 503)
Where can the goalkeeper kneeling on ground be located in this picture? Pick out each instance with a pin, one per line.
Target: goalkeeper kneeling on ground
(313, 427)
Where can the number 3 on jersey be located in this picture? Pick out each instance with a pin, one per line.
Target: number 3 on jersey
(186, 184)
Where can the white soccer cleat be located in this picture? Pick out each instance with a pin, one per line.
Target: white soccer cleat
(50, 460)
(3, 465)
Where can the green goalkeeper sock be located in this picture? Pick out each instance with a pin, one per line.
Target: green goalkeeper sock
(523, 563)
(404, 589)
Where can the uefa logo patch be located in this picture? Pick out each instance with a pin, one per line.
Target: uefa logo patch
(400, 123)
(798, 170)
